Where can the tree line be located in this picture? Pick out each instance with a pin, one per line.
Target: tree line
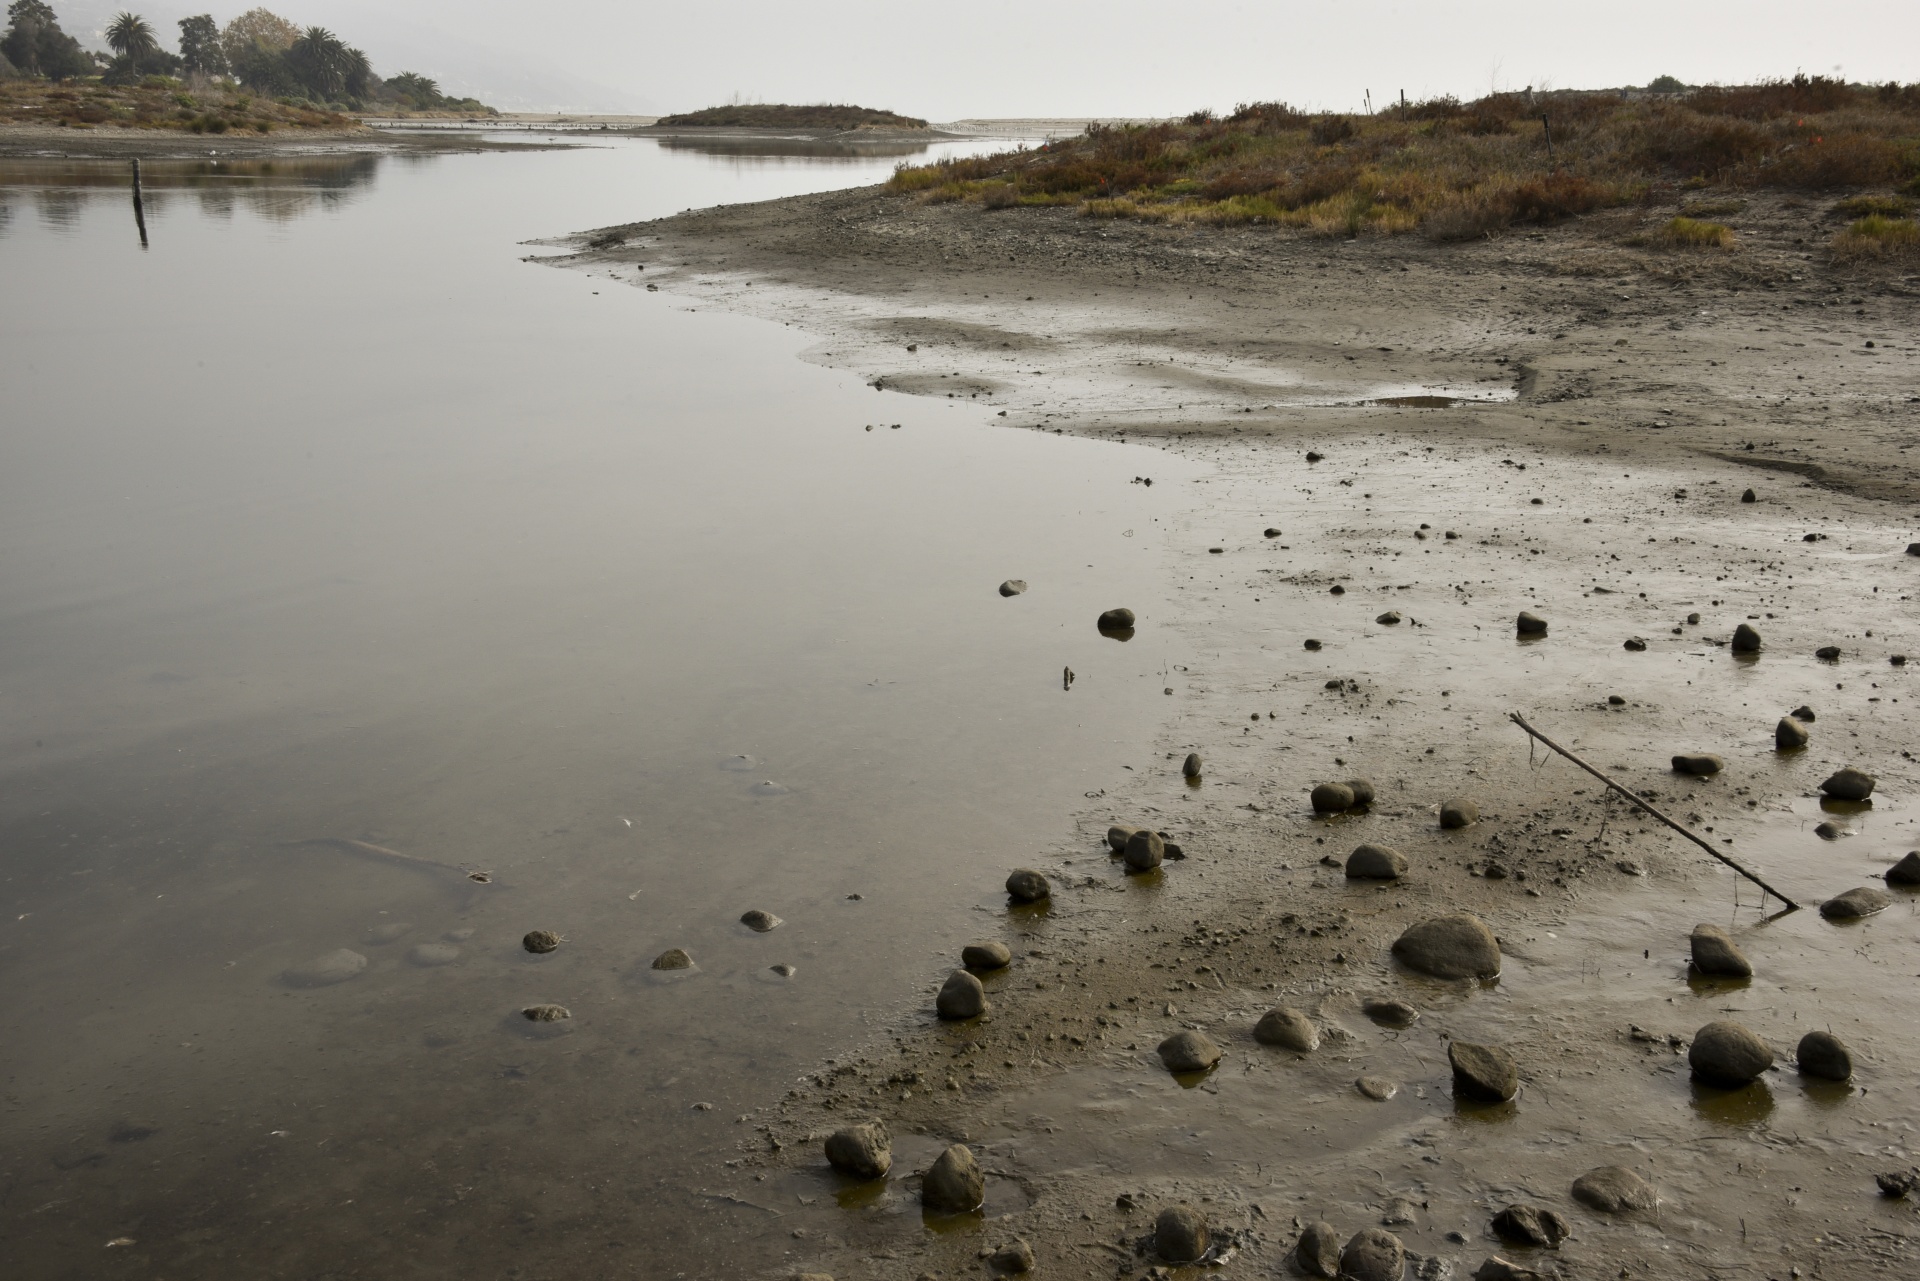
(259, 50)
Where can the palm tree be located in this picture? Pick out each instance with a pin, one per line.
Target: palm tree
(324, 60)
(131, 37)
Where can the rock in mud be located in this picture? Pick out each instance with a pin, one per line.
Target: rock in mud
(1913, 549)
(953, 1184)
(1829, 831)
(1906, 871)
(1828, 653)
(1116, 620)
(1024, 885)
(1789, 734)
(1855, 904)
(1362, 789)
(1377, 1088)
(1803, 713)
(433, 954)
(1190, 768)
(1457, 814)
(1317, 1253)
(1270, 532)
(1531, 1225)
(1529, 624)
(1013, 587)
(1012, 1260)
(1312, 644)
(1332, 798)
(1390, 1013)
(1495, 1268)
(988, 955)
(1450, 947)
(1614, 1189)
(336, 966)
(1635, 643)
(1288, 1029)
(1898, 1183)
(391, 932)
(759, 921)
(1748, 496)
(784, 970)
(961, 997)
(863, 1151)
(1373, 1254)
(1376, 863)
(1727, 1055)
(540, 942)
(1700, 765)
(1145, 851)
(1189, 1051)
(1849, 784)
(1745, 640)
(674, 958)
(1715, 953)
(1824, 1055)
(546, 1013)
(1180, 1234)
(1483, 1073)
(1388, 619)
(1117, 836)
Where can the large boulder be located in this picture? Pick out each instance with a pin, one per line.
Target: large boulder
(1450, 947)
(1824, 1055)
(1728, 1055)
(1024, 885)
(961, 997)
(1849, 784)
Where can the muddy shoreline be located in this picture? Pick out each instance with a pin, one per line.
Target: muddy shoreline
(43, 141)
(1564, 424)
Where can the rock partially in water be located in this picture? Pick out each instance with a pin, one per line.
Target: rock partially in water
(1531, 1225)
(1745, 640)
(1906, 871)
(1483, 1073)
(1390, 1013)
(1377, 1088)
(1317, 1253)
(1856, 903)
(1362, 789)
(954, 1183)
(433, 954)
(1614, 1189)
(333, 967)
(1529, 624)
(1450, 947)
(760, 922)
(1013, 587)
(986, 956)
(1288, 1029)
(1715, 953)
(1145, 851)
(1190, 768)
(1700, 765)
(1012, 1260)
(1117, 836)
(1332, 798)
(1024, 885)
(1849, 785)
(390, 932)
(1374, 1254)
(1456, 814)
(674, 958)
(1789, 734)
(1388, 619)
(1829, 830)
(540, 942)
(1826, 1056)
(1376, 863)
(862, 1151)
(1727, 1055)
(1495, 1268)
(1189, 1051)
(1180, 1234)
(1116, 620)
(961, 997)
(1802, 713)
(546, 1013)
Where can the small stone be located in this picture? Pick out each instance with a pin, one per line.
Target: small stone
(1376, 863)
(1024, 885)
(1373, 1254)
(546, 1013)
(1855, 904)
(1636, 643)
(1829, 831)
(1116, 620)
(1496, 1268)
(1012, 1259)
(760, 922)
(1828, 653)
(540, 942)
(961, 997)
(1483, 1073)
(1802, 713)
(1745, 640)
(1377, 1088)
(1332, 798)
(1824, 1055)
(1897, 660)
(986, 956)
(674, 958)
(784, 970)
(1789, 734)
(1117, 836)
(1529, 624)
(1336, 590)
(430, 955)
(954, 1183)
(1727, 1055)
(1190, 767)
(1614, 700)
(1189, 1051)
(1693, 620)
(1362, 789)
(1530, 1225)
(1180, 1234)
(1318, 1251)
(336, 966)
(1388, 619)
(1312, 644)
(1913, 549)
(1013, 587)
(1700, 765)
(1271, 532)
(1288, 1029)
(1849, 785)
(1715, 953)
(1613, 1189)
(863, 1151)
(1898, 1183)
(1748, 496)
(1390, 1013)
(1906, 871)
(1457, 814)
(1145, 851)
(1450, 947)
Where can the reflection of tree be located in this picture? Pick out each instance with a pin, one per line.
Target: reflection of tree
(59, 207)
(280, 189)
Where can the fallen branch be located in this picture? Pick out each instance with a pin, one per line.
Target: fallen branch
(1521, 722)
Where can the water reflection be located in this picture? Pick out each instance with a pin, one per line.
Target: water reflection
(279, 189)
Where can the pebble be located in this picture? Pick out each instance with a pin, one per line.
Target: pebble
(1388, 619)
(1614, 1189)
(1906, 871)
(1012, 1259)
(961, 997)
(1013, 587)
(1190, 767)
(760, 922)
(1189, 1051)
(391, 932)
(1318, 1251)
(323, 971)
(1374, 1254)
(1829, 831)
(953, 1184)
(1727, 1055)
(1636, 643)
(1856, 903)
(1116, 620)
(1529, 624)
(1332, 798)
(1531, 1225)
(1789, 734)
(1312, 644)
(1495, 1268)
(1376, 863)
(1700, 765)
(1483, 1073)
(1390, 1013)
(1271, 532)
(1288, 1029)
(1849, 784)
(986, 956)
(784, 970)
(1377, 1088)
(863, 1151)
(1457, 814)
(540, 941)
(674, 958)
(1715, 953)
(1745, 640)
(1362, 789)
(546, 1013)
(432, 954)
(1828, 653)
(1450, 947)
(1145, 851)
(1024, 885)
(1180, 1234)
(1824, 1055)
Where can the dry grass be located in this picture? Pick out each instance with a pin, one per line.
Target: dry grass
(1456, 171)
(158, 102)
(1692, 233)
(1878, 236)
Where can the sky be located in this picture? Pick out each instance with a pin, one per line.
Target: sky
(1116, 58)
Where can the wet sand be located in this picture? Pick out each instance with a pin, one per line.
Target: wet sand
(1585, 418)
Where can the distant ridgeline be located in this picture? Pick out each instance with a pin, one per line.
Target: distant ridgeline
(784, 116)
(308, 69)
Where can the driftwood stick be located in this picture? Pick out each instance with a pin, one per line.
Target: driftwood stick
(1518, 720)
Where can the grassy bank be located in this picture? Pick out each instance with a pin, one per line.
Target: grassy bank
(158, 102)
(783, 116)
(1457, 171)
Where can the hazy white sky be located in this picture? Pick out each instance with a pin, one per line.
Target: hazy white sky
(1070, 57)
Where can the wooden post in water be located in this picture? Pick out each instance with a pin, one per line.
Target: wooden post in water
(139, 207)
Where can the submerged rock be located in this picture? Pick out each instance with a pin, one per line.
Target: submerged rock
(1180, 1234)
(1013, 587)
(1190, 767)
(759, 921)
(1331, 798)
(1483, 1073)
(1789, 734)
(986, 956)
(1906, 871)
(1374, 1254)
(1456, 814)
(1715, 953)
(1700, 765)
(1856, 903)
(1728, 1055)
(540, 942)
(863, 1151)
(1824, 1055)
(1529, 624)
(1614, 1189)
(1849, 785)
(325, 970)
(1288, 1029)
(1145, 851)
(430, 955)
(1189, 1051)
(674, 958)
(1450, 947)
(1024, 885)
(1745, 640)
(953, 1184)
(1116, 620)
(1376, 863)
(1390, 1013)
(1317, 1253)
(1531, 1225)
(961, 997)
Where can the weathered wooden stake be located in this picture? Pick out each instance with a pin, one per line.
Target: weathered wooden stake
(1548, 126)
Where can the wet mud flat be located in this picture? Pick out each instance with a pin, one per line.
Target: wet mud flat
(1408, 446)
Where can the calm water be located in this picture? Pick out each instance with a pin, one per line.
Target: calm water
(330, 517)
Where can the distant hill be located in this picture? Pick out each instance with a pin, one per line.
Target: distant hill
(783, 116)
